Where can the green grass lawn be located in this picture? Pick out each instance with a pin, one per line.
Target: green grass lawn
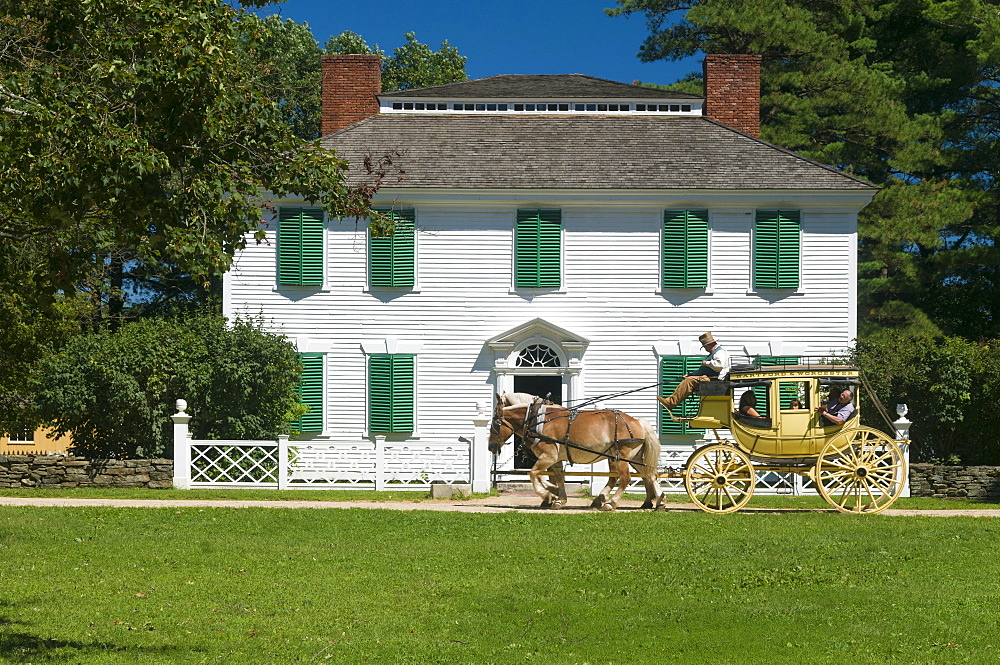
(757, 501)
(253, 585)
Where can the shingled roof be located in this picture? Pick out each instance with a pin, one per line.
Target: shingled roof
(578, 152)
(540, 86)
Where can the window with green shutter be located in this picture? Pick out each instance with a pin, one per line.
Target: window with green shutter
(311, 393)
(300, 246)
(392, 259)
(537, 251)
(672, 369)
(777, 237)
(684, 253)
(391, 392)
(786, 391)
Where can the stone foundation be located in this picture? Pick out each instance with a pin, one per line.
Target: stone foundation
(67, 471)
(973, 482)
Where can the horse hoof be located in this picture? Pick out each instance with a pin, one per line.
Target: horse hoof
(556, 505)
(646, 506)
(608, 507)
(597, 502)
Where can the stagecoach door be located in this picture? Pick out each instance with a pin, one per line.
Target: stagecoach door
(541, 386)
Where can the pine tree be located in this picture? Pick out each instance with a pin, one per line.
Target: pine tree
(901, 92)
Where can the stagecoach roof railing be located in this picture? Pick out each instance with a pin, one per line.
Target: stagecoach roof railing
(741, 363)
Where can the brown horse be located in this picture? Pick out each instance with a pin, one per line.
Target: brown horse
(556, 434)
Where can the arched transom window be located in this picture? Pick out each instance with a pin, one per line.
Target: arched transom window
(537, 355)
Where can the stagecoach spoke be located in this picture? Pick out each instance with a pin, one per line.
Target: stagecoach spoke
(873, 501)
(847, 495)
(838, 484)
(718, 498)
(840, 463)
(885, 471)
(887, 456)
(844, 496)
(884, 483)
(844, 472)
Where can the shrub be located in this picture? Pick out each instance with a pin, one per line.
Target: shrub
(950, 385)
(115, 391)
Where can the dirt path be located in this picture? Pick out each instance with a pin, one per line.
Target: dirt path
(494, 504)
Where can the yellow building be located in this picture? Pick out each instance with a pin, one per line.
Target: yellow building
(40, 441)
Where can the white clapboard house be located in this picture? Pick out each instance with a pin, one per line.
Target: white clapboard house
(555, 234)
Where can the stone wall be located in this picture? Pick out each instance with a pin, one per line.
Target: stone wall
(67, 471)
(974, 482)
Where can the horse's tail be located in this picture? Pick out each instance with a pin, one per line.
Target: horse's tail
(650, 449)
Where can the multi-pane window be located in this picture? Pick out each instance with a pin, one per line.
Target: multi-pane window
(537, 249)
(684, 251)
(777, 239)
(793, 391)
(391, 392)
(21, 436)
(392, 259)
(311, 393)
(786, 391)
(300, 246)
(672, 370)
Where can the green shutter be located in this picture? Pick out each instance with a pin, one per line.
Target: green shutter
(777, 237)
(786, 391)
(392, 259)
(538, 242)
(300, 246)
(672, 368)
(391, 395)
(310, 391)
(685, 249)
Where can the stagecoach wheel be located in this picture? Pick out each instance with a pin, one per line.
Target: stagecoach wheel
(719, 478)
(861, 471)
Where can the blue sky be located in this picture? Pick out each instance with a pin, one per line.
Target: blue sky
(501, 36)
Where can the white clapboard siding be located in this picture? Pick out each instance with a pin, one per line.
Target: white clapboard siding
(610, 296)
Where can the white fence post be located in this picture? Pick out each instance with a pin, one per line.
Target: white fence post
(480, 457)
(182, 447)
(283, 472)
(379, 463)
(902, 427)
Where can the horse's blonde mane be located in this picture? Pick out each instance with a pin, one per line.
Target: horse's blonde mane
(516, 399)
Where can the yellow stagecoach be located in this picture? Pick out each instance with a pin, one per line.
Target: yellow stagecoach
(855, 468)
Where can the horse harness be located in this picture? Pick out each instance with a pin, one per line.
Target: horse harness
(533, 421)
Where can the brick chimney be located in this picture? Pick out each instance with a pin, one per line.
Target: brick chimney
(732, 91)
(349, 89)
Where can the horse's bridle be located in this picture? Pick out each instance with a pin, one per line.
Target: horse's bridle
(499, 420)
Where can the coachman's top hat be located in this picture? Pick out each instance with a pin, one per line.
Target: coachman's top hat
(706, 339)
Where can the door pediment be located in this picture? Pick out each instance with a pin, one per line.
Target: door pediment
(565, 344)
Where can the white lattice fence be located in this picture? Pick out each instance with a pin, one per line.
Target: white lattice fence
(233, 463)
(326, 465)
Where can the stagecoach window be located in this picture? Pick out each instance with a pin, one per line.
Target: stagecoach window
(537, 355)
(793, 395)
